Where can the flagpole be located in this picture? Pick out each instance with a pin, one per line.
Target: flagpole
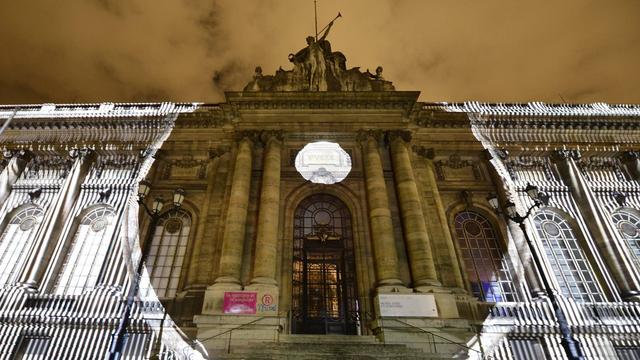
(315, 12)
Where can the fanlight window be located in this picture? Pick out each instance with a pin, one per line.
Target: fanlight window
(87, 252)
(568, 261)
(16, 241)
(485, 263)
(167, 252)
(629, 226)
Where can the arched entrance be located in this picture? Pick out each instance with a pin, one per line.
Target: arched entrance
(324, 284)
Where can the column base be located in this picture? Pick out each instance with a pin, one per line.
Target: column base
(445, 300)
(214, 295)
(389, 289)
(267, 299)
(426, 283)
(263, 281)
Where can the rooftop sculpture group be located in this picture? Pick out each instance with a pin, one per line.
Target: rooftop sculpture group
(317, 68)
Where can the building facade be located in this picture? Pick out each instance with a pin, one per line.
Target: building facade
(406, 250)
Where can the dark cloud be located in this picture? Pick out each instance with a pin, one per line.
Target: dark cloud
(144, 50)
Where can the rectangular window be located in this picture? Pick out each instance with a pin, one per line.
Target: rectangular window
(628, 352)
(527, 349)
(32, 348)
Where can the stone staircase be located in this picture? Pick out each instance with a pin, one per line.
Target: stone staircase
(321, 347)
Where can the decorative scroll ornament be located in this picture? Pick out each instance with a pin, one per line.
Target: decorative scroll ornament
(323, 233)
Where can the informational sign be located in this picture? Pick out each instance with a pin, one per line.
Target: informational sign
(240, 302)
(407, 305)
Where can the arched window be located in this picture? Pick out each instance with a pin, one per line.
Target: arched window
(567, 259)
(15, 242)
(168, 251)
(87, 252)
(629, 226)
(485, 261)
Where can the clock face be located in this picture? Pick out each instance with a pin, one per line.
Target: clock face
(323, 162)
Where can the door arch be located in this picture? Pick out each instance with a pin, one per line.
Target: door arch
(324, 284)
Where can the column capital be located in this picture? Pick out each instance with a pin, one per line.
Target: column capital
(268, 136)
(365, 134)
(22, 154)
(564, 154)
(629, 156)
(252, 136)
(402, 135)
(218, 151)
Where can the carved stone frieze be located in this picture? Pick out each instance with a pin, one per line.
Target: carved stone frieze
(563, 154)
(121, 161)
(49, 166)
(456, 164)
(516, 164)
(425, 152)
(593, 163)
(186, 167)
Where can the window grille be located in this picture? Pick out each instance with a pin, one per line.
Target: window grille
(485, 262)
(167, 253)
(324, 298)
(568, 261)
(628, 225)
(32, 348)
(16, 241)
(627, 352)
(87, 252)
(527, 349)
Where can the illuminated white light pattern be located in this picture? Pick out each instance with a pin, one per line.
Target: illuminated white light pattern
(15, 243)
(87, 253)
(323, 162)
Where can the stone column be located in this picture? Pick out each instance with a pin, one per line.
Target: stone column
(596, 222)
(16, 162)
(386, 257)
(235, 221)
(58, 215)
(423, 269)
(264, 265)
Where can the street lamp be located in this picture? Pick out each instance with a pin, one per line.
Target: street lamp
(570, 345)
(144, 187)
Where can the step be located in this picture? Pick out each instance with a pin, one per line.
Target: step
(322, 347)
(328, 339)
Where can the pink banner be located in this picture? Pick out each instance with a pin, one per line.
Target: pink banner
(236, 302)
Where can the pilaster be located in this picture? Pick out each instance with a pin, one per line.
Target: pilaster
(596, 223)
(58, 215)
(16, 161)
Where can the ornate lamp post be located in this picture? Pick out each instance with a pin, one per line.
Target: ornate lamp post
(570, 345)
(144, 187)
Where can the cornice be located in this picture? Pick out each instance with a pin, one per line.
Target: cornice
(300, 101)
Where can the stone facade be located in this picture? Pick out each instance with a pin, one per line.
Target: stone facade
(416, 198)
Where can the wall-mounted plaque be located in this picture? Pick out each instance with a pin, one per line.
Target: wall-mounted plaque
(407, 305)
